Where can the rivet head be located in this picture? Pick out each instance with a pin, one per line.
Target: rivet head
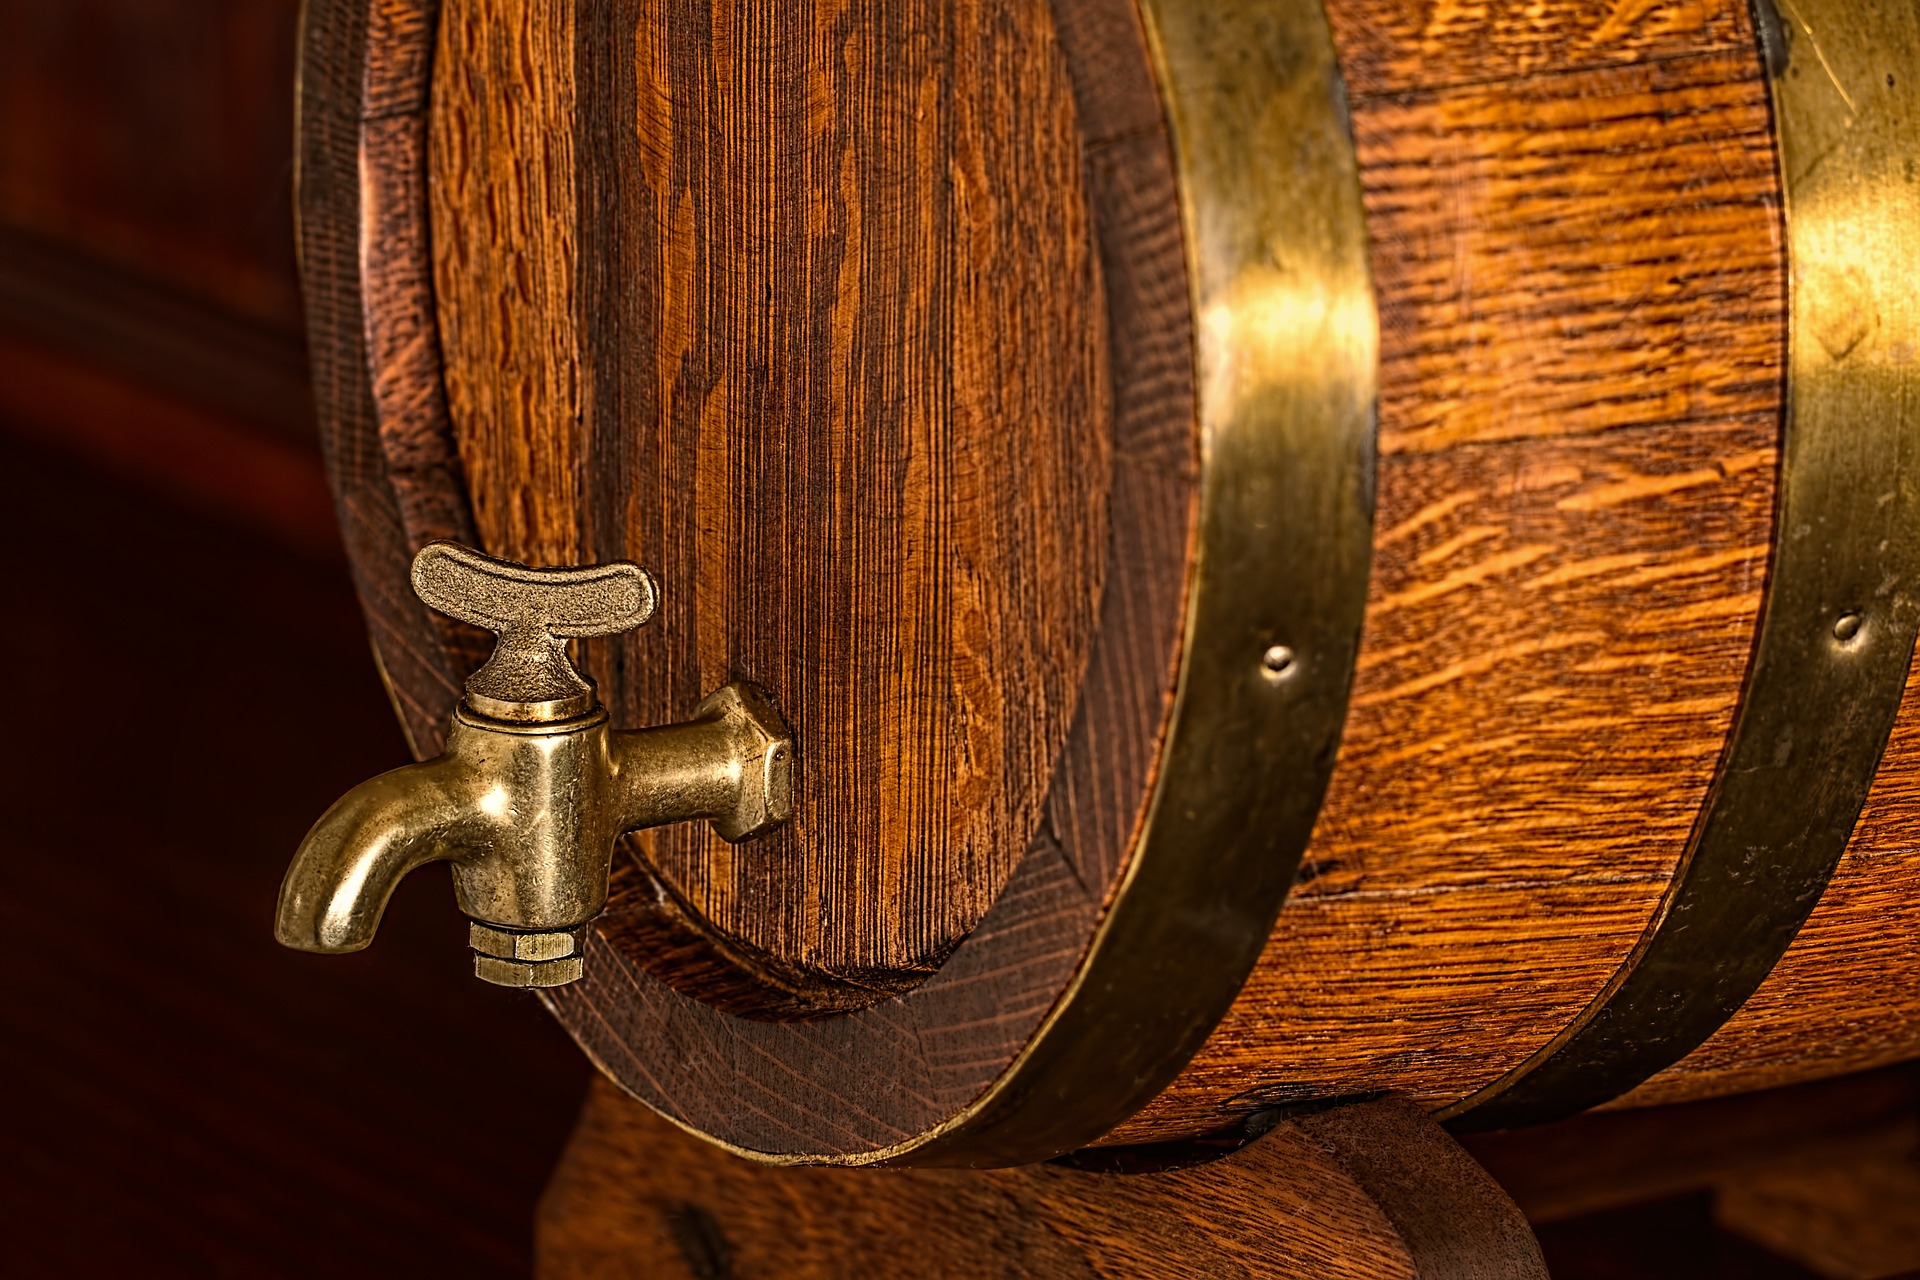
(1847, 627)
(1277, 661)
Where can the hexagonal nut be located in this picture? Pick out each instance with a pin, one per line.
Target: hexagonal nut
(763, 751)
(528, 973)
(523, 944)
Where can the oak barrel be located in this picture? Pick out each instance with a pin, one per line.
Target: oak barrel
(1449, 470)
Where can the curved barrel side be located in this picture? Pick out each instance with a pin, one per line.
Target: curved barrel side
(1843, 594)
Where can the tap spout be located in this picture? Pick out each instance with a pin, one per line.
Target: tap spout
(348, 865)
(535, 784)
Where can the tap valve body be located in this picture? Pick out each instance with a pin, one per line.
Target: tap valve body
(534, 784)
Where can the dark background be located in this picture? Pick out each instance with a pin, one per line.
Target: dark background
(191, 686)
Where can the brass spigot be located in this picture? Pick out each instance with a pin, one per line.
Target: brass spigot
(534, 785)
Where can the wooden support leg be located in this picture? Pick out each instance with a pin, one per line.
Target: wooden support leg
(1371, 1190)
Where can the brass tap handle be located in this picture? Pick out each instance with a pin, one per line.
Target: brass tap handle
(534, 784)
(534, 612)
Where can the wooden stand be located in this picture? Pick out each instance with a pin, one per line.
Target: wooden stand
(1371, 1189)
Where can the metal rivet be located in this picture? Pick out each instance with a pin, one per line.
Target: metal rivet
(1847, 627)
(1277, 661)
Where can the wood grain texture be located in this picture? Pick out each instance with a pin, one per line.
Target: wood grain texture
(1576, 239)
(1577, 250)
(372, 339)
(1574, 251)
(1409, 46)
(1374, 1190)
(502, 200)
(798, 307)
(785, 1086)
(793, 1087)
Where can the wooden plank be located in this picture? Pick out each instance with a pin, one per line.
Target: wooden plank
(1575, 252)
(1417, 46)
(1373, 1190)
(779, 305)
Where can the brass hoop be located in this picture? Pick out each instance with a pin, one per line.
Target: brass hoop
(1287, 338)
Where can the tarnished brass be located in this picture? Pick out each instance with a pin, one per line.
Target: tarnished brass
(1843, 593)
(529, 973)
(534, 784)
(1287, 356)
(512, 944)
(534, 612)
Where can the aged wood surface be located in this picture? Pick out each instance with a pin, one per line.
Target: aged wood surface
(1400, 46)
(786, 1086)
(1576, 242)
(1374, 1190)
(800, 311)
(501, 186)
(373, 346)
(773, 1084)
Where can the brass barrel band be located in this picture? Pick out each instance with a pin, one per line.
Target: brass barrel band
(1287, 343)
(1843, 595)
(1287, 354)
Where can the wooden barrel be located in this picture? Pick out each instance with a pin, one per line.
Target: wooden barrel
(1309, 549)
